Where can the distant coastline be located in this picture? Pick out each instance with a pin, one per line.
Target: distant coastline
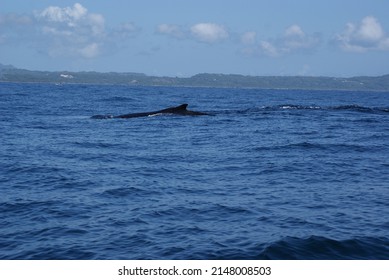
(8, 73)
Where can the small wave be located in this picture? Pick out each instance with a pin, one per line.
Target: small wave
(292, 107)
(360, 109)
(322, 248)
(293, 248)
(303, 145)
(54, 253)
(230, 210)
(298, 107)
(25, 207)
(352, 107)
(126, 192)
(118, 99)
(102, 117)
(316, 146)
(96, 145)
(310, 248)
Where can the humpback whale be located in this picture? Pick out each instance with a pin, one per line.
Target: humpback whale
(179, 110)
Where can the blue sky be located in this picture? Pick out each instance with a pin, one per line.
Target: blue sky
(182, 38)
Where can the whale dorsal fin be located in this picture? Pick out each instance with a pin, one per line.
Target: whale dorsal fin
(175, 110)
(182, 107)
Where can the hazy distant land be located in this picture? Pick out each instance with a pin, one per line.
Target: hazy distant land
(9, 73)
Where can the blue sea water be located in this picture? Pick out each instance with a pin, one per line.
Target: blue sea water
(272, 174)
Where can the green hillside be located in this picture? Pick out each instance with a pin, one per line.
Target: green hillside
(9, 73)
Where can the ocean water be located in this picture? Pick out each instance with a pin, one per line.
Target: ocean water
(272, 174)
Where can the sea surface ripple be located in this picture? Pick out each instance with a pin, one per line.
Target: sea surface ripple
(272, 174)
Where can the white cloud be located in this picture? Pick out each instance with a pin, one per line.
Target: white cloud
(362, 37)
(90, 51)
(76, 19)
(172, 30)
(370, 30)
(71, 31)
(268, 49)
(294, 39)
(96, 23)
(209, 32)
(69, 15)
(203, 32)
(294, 31)
(128, 27)
(124, 31)
(248, 38)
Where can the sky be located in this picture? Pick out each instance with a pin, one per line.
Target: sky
(340, 38)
